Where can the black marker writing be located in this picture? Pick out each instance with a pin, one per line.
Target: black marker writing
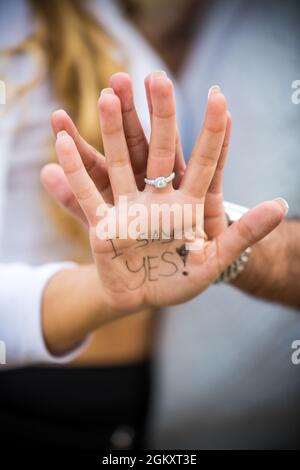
(114, 249)
(135, 271)
(151, 267)
(164, 257)
(183, 253)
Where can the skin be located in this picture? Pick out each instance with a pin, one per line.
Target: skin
(273, 270)
(81, 300)
(175, 24)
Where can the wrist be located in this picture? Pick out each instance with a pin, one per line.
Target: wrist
(233, 213)
(74, 305)
(266, 270)
(250, 279)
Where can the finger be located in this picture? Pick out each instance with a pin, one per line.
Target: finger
(206, 152)
(93, 160)
(215, 218)
(136, 141)
(80, 182)
(118, 161)
(252, 227)
(56, 184)
(163, 130)
(180, 165)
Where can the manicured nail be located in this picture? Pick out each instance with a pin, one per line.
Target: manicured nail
(158, 74)
(107, 91)
(213, 89)
(61, 134)
(283, 204)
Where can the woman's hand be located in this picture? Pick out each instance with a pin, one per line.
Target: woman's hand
(137, 273)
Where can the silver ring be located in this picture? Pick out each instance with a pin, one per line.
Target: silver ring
(161, 181)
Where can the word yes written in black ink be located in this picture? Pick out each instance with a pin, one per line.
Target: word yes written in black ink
(153, 268)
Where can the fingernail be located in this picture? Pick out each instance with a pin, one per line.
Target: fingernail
(283, 204)
(158, 74)
(107, 91)
(213, 89)
(61, 134)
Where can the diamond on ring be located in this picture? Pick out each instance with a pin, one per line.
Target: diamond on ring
(161, 181)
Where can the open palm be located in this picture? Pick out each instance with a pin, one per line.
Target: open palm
(143, 271)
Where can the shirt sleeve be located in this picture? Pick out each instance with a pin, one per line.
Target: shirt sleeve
(21, 336)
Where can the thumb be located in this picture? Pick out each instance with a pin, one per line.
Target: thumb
(252, 227)
(56, 184)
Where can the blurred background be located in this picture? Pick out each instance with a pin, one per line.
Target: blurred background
(215, 372)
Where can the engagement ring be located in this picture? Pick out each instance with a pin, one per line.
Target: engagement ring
(161, 181)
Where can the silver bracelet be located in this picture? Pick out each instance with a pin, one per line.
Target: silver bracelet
(233, 213)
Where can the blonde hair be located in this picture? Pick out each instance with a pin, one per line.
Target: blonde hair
(79, 56)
